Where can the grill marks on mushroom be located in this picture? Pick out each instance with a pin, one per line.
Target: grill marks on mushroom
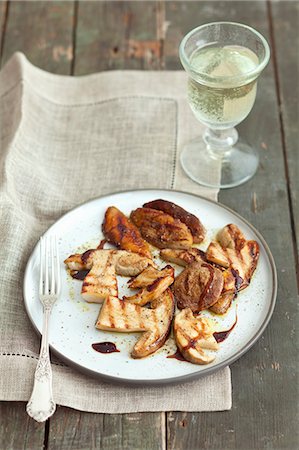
(193, 223)
(119, 315)
(198, 287)
(183, 257)
(101, 279)
(193, 335)
(104, 265)
(148, 276)
(160, 281)
(161, 229)
(231, 249)
(120, 231)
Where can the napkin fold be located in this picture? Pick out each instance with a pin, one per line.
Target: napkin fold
(64, 140)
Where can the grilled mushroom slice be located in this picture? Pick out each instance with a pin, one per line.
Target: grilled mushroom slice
(186, 257)
(160, 229)
(127, 263)
(122, 316)
(130, 264)
(228, 293)
(148, 276)
(193, 223)
(154, 290)
(193, 335)
(103, 266)
(79, 261)
(183, 257)
(198, 287)
(101, 280)
(232, 250)
(120, 231)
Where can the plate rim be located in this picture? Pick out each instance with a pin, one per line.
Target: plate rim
(181, 378)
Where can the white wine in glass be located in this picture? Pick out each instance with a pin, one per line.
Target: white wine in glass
(223, 61)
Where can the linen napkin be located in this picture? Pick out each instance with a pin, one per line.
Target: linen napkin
(65, 140)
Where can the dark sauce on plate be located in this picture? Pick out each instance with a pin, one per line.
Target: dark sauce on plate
(79, 274)
(220, 336)
(177, 355)
(238, 280)
(105, 347)
(101, 244)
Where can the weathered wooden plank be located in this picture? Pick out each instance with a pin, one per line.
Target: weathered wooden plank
(43, 31)
(264, 380)
(183, 16)
(17, 430)
(78, 430)
(117, 35)
(286, 42)
(3, 16)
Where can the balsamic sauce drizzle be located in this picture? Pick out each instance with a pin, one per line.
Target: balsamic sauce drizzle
(105, 347)
(220, 336)
(79, 274)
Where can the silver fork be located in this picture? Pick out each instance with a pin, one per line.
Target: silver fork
(41, 404)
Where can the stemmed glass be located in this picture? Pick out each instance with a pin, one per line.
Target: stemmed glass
(223, 61)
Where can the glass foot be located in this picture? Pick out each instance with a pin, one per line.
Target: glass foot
(219, 169)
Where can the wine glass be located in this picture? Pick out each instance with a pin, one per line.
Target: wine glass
(223, 61)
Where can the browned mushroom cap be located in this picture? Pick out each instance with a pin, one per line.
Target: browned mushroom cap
(120, 231)
(161, 229)
(193, 223)
(198, 287)
(183, 257)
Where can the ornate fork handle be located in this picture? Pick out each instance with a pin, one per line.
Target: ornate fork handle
(41, 404)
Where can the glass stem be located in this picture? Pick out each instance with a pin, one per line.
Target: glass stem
(220, 142)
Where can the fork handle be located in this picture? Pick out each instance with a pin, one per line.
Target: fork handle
(41, 404)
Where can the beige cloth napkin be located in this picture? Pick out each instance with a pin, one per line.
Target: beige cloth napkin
(63, 141)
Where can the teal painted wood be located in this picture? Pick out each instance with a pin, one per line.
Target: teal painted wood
(77, 430)
(43, 31)
(286, 40)
(117, 35)
(3, 16)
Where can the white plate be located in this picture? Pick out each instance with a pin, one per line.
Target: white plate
(72, 330)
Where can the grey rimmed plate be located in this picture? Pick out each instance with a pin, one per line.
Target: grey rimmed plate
(72, 331)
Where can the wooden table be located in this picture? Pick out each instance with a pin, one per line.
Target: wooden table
(76, 38)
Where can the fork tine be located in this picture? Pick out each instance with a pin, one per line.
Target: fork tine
(41, 250)
(46, 289)
(52, 240)
(58, 280)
